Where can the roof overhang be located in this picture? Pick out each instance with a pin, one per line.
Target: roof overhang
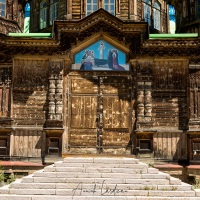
(101, 22)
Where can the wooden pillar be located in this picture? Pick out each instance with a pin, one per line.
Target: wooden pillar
(117, 6)
(132, 9)
(140, 102)
(69, 9)
(66, 85)
(11, 143)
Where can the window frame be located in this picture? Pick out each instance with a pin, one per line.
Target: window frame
(147, 11)
(43, 14)
(157, 15)
(53, 11)
(2, 2)
(198, 9)
(108, 5)
(91, 3)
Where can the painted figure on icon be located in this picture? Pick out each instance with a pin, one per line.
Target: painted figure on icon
(101, 50)
(113, 60)
(87, 60)
(100, 56)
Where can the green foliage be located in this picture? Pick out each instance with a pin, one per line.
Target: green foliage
(149, 188)
(173, 188)
(11, 178)
(151, 164)
(2, 175)
(196, 185)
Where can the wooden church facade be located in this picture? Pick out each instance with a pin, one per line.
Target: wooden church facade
(99, 86)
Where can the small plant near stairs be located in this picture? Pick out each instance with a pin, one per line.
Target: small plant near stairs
(2, 176)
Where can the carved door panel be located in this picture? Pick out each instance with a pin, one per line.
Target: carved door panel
(116, 123)
(100, 114)
(116, 114)
(83, 98)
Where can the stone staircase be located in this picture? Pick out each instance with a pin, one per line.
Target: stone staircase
(98, 178)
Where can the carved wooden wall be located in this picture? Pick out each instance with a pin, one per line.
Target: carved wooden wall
(170, 94)
(30, 81)
(162, 105)
(100, 109)
(13, 21)
(144, 93)
(100, 113)
(5, 90)
(194, 82)
(55, 94)
(29, 91)
(27, 143)
(76, 10)
(170, 145)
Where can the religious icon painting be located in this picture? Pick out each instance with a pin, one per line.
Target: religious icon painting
(100, 56)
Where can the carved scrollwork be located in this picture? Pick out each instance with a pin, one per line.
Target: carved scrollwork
(55, 92)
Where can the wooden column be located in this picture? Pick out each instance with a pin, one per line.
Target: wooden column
(69, 9)
(66, 85)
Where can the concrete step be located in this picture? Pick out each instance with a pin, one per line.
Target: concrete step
(98, 178)
(19, 185)
(101, 165)
(100, 175)
(101, 160)
(102, 192)
(54, 197)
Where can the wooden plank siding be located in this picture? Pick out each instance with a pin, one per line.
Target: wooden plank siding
(76, 9)
(170, 145)
(124, 9)
(62, 9)
(27, 143)
(29, 92)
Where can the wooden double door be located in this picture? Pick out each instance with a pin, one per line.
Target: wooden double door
(100, 114)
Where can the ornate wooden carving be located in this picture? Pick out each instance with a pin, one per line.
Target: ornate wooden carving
(144, 94)
(55, 94)
(194, 82)
(7, 26)
(5, 91)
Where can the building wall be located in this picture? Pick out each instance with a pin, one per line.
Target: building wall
(27, 143)
(12, 20)
(187, 14)
(76, 10)
(152, 107)
(170, 145)
(35, 113)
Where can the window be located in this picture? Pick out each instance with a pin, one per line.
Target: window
(2, 8)
(172, 19)
(198, 9)
(147, 11)
(145, 144)
(157, 15)
(109, 5)
(43, 14)
(91, 6)
(27, 18)
(53, 10)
